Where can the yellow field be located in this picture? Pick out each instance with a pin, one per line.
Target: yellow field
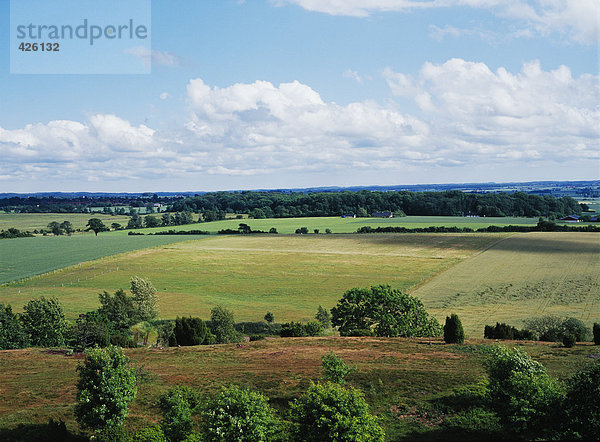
(522, 276)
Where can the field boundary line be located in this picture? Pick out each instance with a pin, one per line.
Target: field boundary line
(459, 261)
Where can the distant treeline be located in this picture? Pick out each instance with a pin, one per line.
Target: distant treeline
(541, 226)
(364, 203)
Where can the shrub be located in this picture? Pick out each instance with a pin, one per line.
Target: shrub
(329, 412)
(44, 322)
(453, 330)
(553, 328)
(582, 404)
(223, 326)
(522, 393)
(258, 328)
(144, 298)
(596, 333)
(575, 327)
(12, 333)
(334, 368)
(328, 231)
(297, 329)
(391, 313)
(238, 414)
(178, 405)
(84, 334)
(105, 388)
(323, 317)
(569, 340)
(358, 332)
(505, 331)
(150, 434)
(475, 422)
(190, 331)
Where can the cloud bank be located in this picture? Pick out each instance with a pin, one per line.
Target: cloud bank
(467, 116)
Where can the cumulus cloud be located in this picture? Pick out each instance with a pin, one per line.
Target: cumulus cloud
(349, 73)
(578, 19)
(529, 114)
(468, 117)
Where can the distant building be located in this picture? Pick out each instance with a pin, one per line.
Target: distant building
(382, 215)
(572, 219)
(349, 216)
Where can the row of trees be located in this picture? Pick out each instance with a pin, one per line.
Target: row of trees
(364, 202)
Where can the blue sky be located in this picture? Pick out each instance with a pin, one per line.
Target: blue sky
(297, 93)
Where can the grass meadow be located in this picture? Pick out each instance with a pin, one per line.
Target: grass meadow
(522, 276)
(33, 221)
(251, 274)
(399, 377)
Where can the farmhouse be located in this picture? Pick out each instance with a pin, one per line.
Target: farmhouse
(382, 215)
(572, 219)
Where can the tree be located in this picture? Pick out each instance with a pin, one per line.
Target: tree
(106, 387)
(453, 330)
(223, 325)
(12, 334)
(116, 226)
(96, 225)
(67, 227)
(44, 321)
(329, 412)
(323, 317)
(269, 317)
(55, 228)
(522, 393)
(238, 414)
(582, 403)
(334, 368)
(387, 311)
(190, 331)
(144, 298)
(151, 221)
(135, 222)
(90, 330)
(596, 330)
(119, 309)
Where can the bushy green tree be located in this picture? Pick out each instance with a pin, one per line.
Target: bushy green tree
(596, 330)
(106, 387)
(323, 317)
(67, 227)
(582, 403)
(238, 414)
(269, 317)
(96, 225)
(178, 405)
(119, 309)
(44, 322)
(334, 368)
(151, 221)
(190, 331)
(453, 330)
(222, 325)
(153, 433)
(55, 228)
(521, 392)
(88, 331)
(144, 298)
(329, 412)
(12, 333)
(388, 311)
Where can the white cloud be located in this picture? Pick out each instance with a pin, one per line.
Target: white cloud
(164, 95)
(153, 57)
(578, 19)
(349, 73)
(470, 119)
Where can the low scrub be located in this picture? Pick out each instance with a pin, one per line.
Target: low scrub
(505, 331)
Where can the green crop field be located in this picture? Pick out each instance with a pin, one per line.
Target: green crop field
(26, 257)
(520, 277)
(396, 375)
(288, 275)
(33, 221)
(348, 225)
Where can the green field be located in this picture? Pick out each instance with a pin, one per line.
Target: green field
(33, 221)
(522, 276)
(349, 225)
(25, 257)
(288, 275)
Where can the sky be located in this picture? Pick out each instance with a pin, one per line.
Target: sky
(262, 94)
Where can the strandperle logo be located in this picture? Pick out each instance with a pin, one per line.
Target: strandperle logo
(84, 31)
